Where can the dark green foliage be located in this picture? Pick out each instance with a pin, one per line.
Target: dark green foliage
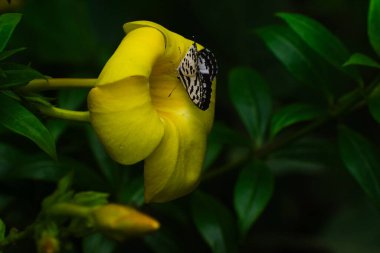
(284, 170)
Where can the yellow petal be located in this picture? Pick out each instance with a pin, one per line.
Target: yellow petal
(174, 168)
(120, 106)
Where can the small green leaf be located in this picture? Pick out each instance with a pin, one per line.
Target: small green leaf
(8, 53)
(361, 160)
(293, 114)
(17, 75)
(2, 230)
(374, 25)
(361, 60)
(91, 198)
(295, 55)
(320, 39)
(214, 222)
(253, 190)
(251, 97)
(8, 23)
(19, 120)
(374, 104)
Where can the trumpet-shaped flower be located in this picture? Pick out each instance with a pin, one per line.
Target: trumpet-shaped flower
(141, 111)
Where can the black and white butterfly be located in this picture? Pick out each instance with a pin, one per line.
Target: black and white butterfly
(196, 71)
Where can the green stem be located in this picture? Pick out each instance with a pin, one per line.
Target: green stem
(55, 112)
(15, 235)
(67, 209)
(58, 83)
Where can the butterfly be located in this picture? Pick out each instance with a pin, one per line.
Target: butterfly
(196, 71)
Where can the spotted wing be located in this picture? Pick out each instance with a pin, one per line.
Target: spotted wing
(196, 71)
(208, 69)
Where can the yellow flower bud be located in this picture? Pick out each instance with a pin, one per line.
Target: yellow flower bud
(48, 244)
(120, 222)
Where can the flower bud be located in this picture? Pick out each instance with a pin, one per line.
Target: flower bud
(48, 244)
(120, 222)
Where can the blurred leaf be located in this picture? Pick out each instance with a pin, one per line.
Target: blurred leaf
(8, 23)
(374, 104)
(49, 25)
(97, 243)
(132, 191)
(293, 114)
(19, 120)
(321, 40)
(214, 222)
(296, 56)
(362, 60)
(374, 25)
(16, 75)
(107, 166)
(226, 135)
(91, 198)
(251, 97)
(361, 160)
(221, 135)
(2, 230)
(38, 167)
(306, 156)
(253, 190)
(8, 53)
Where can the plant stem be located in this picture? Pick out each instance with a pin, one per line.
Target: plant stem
(68, 209)
(55, 112)
(15, 235)
(58, 83)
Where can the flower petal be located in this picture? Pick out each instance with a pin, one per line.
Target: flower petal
(120, 106)
(174, 168)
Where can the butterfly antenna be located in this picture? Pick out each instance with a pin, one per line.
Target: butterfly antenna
(172, 91)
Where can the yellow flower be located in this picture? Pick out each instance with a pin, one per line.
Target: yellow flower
(141, 111)
(120, 222)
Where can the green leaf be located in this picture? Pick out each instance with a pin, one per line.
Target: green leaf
(374, 25)
(19, 120)
(17, 75)
(320, 39)
(295, 55)
(2, 230)
(131, 191)
(361, 160)
(37, 167)
(253, 190)
(214, 222)
(251, 97)
(362, 60)
(374, 104)
(91, 198)
(8, 23)
(293, 114)
(8, 53)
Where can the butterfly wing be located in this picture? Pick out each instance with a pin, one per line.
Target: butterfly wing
(196, 71)
(208, 70)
